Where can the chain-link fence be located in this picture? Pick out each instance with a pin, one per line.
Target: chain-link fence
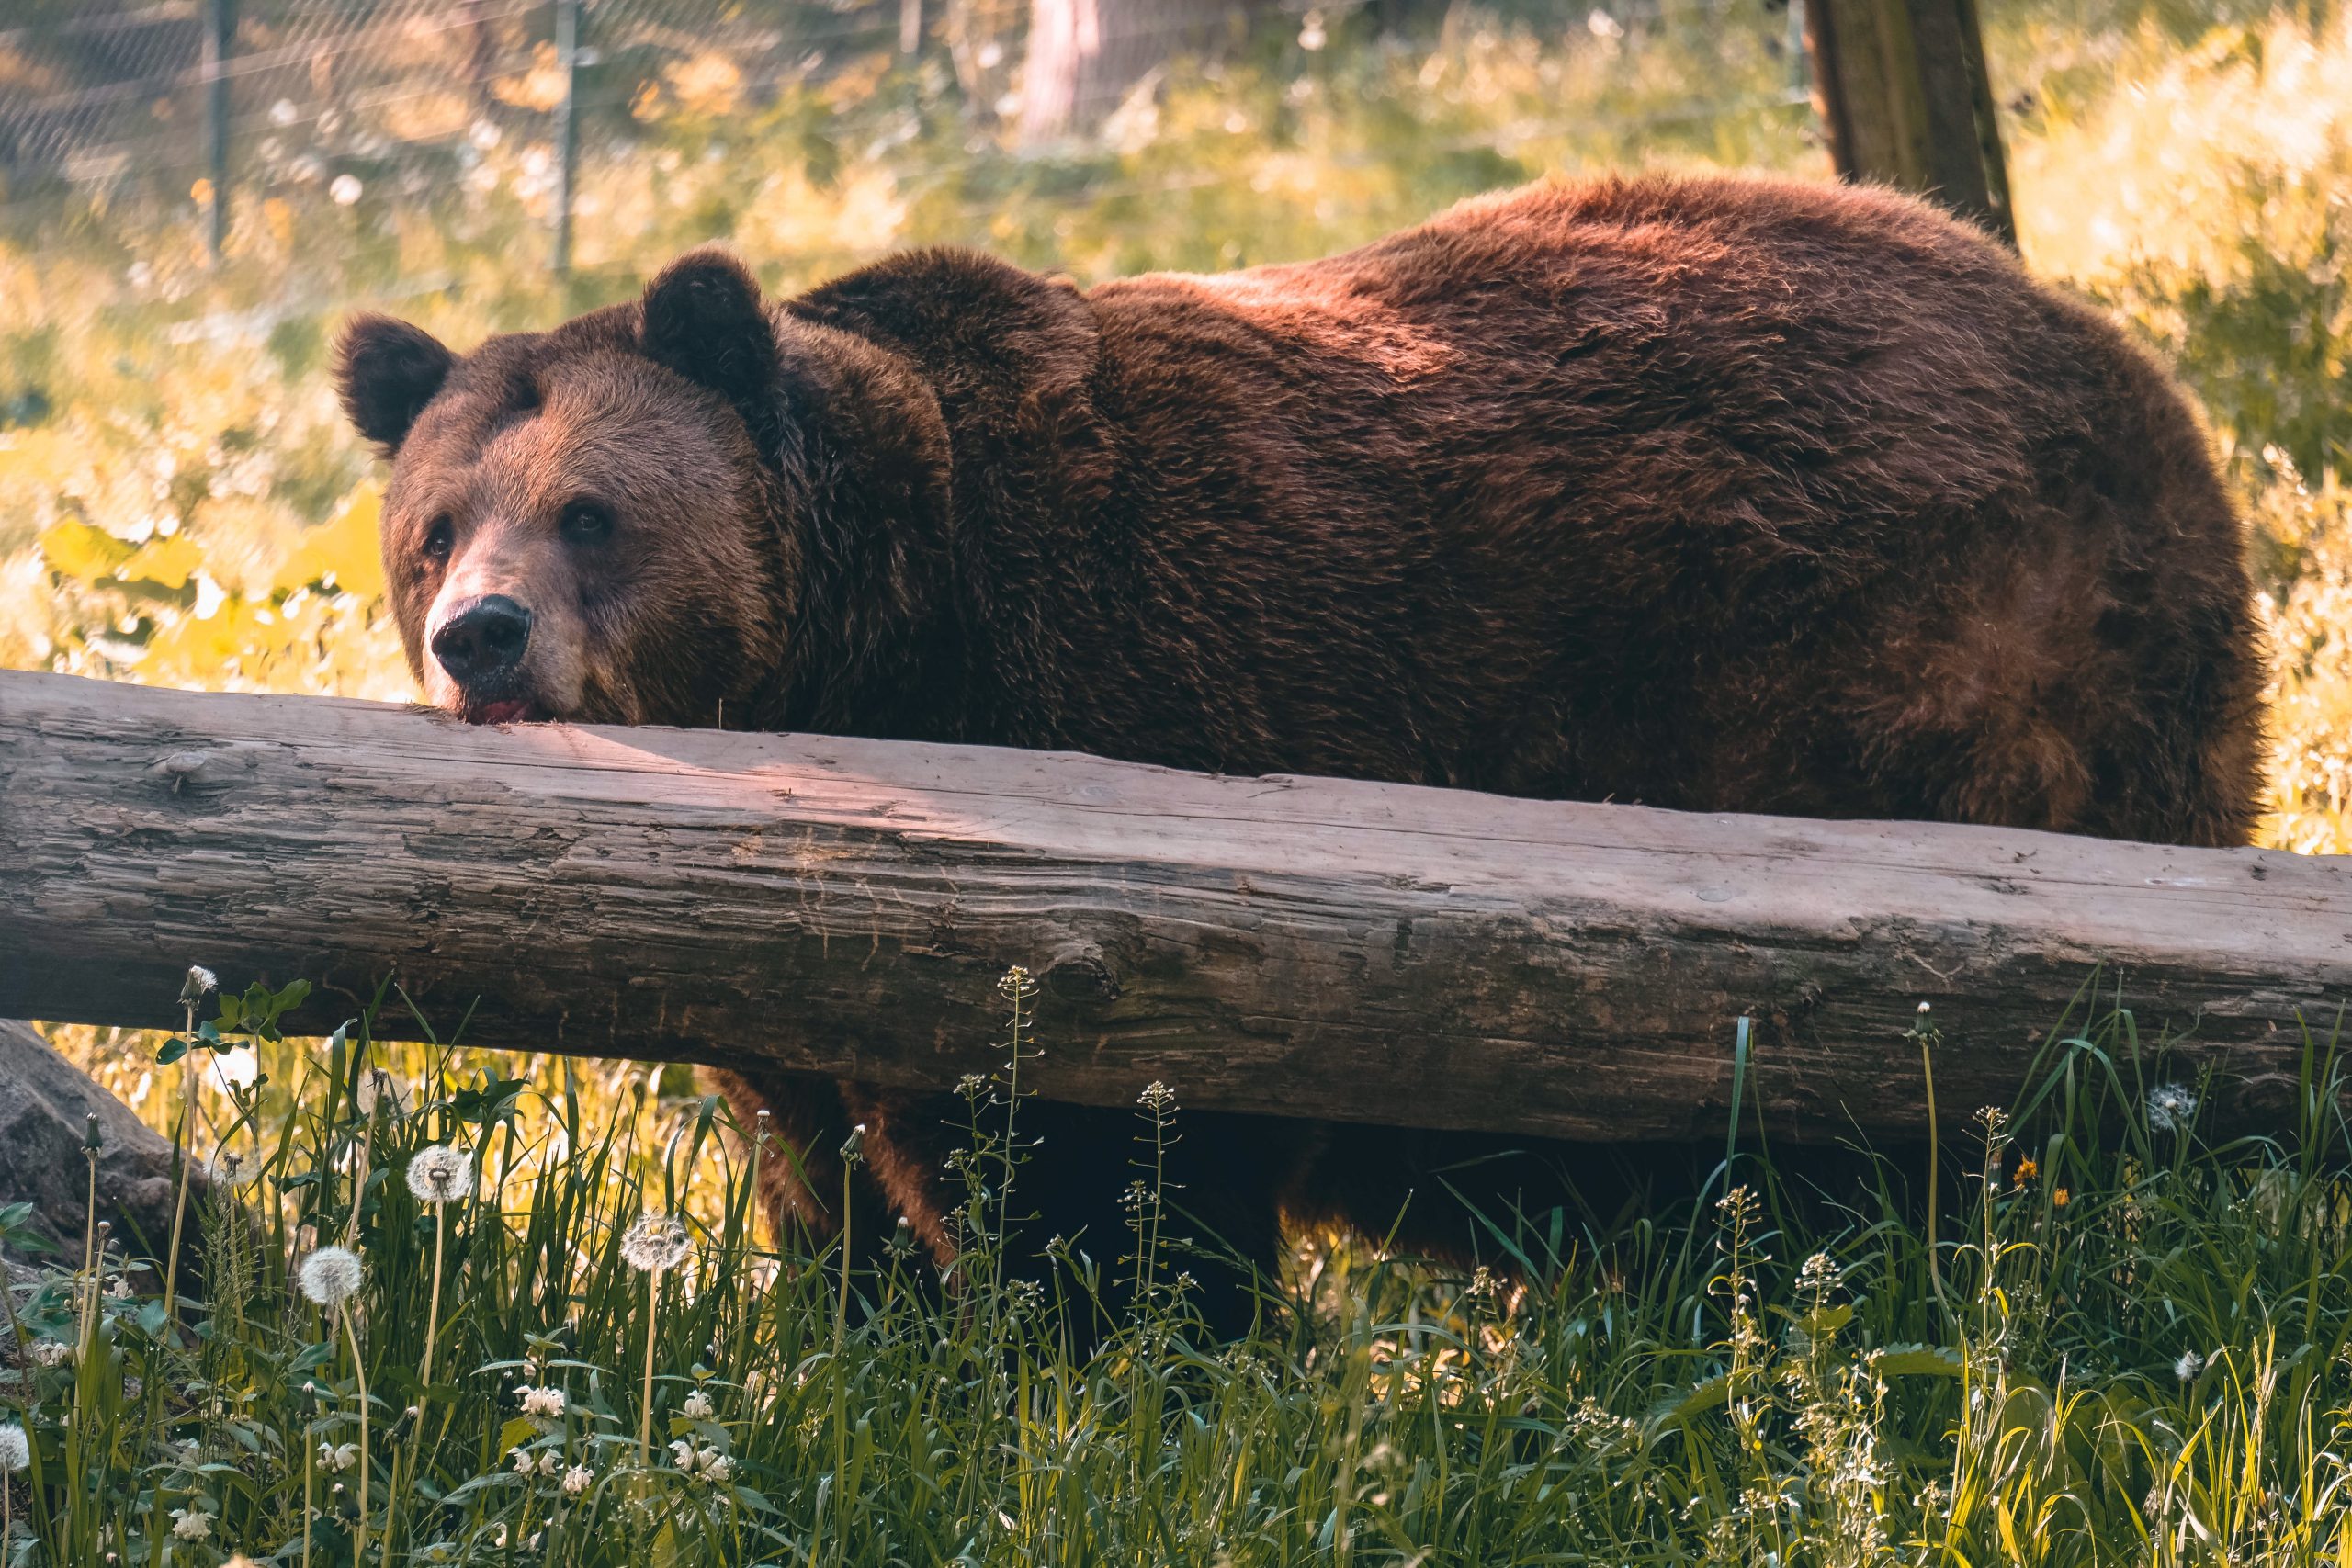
(213, 107)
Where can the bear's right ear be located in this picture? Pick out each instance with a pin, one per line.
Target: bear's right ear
(386, 371)
(704, 319)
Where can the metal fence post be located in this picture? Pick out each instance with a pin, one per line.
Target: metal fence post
(219, 24)
(567, 128)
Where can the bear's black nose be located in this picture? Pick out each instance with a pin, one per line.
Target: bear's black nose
(484, 640)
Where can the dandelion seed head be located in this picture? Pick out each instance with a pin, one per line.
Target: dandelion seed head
(16, 1449)
(2188, 1366)
(2171, 1108)
(200, 981)
(331, 1276)
(655, 1243)
(441, 1174)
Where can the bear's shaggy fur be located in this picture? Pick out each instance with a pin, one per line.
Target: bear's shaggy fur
(1703, 492)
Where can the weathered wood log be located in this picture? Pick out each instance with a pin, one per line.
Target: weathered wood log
(1375, 952)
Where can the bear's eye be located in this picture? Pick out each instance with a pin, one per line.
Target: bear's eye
(585, 523)
(439, 536)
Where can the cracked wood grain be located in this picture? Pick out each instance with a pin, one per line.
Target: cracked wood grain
(1374, 953)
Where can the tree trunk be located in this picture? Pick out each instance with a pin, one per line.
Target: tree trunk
(1904, 100)
(1371, 952)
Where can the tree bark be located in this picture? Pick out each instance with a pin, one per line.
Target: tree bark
(1905, 99)
(1363, 951)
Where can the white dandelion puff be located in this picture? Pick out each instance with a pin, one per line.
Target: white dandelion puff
(441, 1174)
(200, 981)
(331, 1276)
(655, 1243)
(2171, 1108)
(2188, 1366)
(16, 1449)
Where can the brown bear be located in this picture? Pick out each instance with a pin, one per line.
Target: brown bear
(1712, 493)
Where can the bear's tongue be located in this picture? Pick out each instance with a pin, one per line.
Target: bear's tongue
(508, 712)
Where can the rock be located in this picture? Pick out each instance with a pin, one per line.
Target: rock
(44, 1103)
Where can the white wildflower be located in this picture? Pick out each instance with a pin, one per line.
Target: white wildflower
(2171, 1108)
(524, 1462)
(551, 1461)
(331, 1276)
(2188, 1366)
(191, 1524)
(655, 1243)
(338, 1456)
(698, 1406)
(50, 1352)
(545, 1402)
(682, 1454)
(120, 1288)
(576, 1479)
(16, 1449)
(1820, 1275)
(345, 189)
(441, 1174)
(715, 1466)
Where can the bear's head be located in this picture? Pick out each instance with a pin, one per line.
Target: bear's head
(644, 515)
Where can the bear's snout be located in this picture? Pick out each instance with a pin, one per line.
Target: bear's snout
(481, 644)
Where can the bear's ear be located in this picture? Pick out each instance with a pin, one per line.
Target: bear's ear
(386, 371)
(703, 319)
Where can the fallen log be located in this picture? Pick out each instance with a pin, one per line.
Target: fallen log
(1378, 953)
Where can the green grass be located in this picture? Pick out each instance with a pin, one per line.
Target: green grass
(2130, 1346)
